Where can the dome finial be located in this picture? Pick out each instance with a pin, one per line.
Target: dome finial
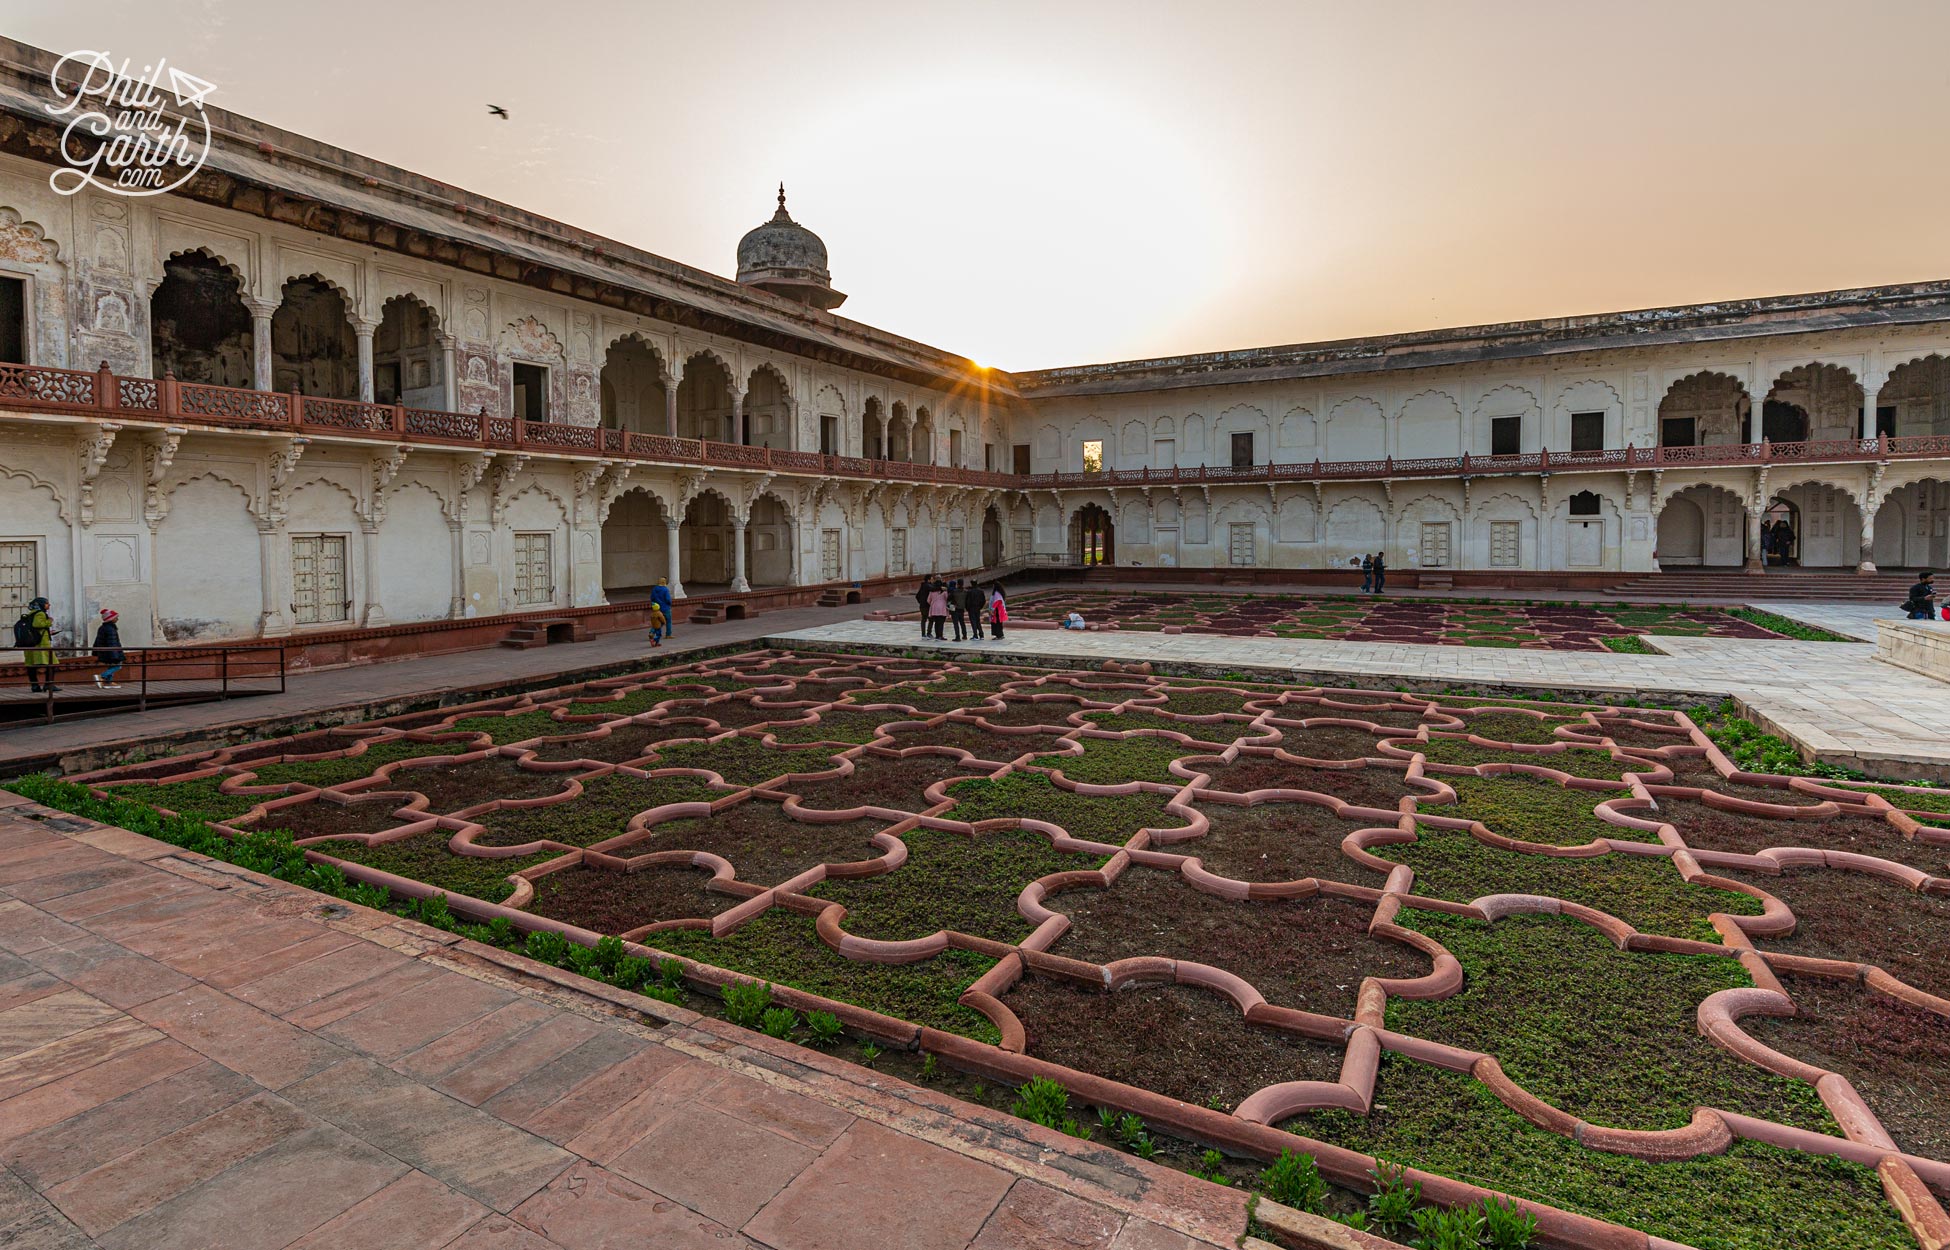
(782, 196)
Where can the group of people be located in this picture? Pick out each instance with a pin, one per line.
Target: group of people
(34, 635)
(965, 604)
(1374, 573)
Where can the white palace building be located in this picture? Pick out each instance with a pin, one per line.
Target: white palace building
(309, 394)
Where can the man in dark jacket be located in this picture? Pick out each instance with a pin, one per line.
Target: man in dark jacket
(921, 602)
(974, 600)
(1380, 571)
(1921, 604)
(956, 610)
(108, 650)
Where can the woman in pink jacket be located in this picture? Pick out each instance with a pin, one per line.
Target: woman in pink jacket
(937, 608)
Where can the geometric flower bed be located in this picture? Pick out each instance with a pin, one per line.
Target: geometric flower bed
(1560, 953)
(1356, 618)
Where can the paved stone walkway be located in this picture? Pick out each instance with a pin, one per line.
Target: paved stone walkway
(1833, 697)
(317, 696)
(197, 1058)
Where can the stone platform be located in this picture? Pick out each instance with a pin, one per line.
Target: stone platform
(193, 1056)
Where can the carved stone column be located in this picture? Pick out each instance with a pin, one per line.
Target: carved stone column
(738, 583)
(270, 571)
(363, 330)
(261, 366)
(375, 613)
(449, 383)
(1868, 563)
(457, 605)
(676, 551)
(670, 408)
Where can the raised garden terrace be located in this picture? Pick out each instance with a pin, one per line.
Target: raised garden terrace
(1447, 622)
(1564, 954)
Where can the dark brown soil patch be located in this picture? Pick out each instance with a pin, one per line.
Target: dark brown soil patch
(1710, 829)
(1364, 787)
(306, 744)
(982, 743)
(1782, 797)
(1632, 736)
(1277, 842)
(613, 902)
(1187, 1043)
(1305, 953)
(1864, 919)
(1392, 715)
(622, 744)
(1330, 742)
(1046, 712)
(1897, 1056)
(602, 813)
(732, 714)
(322, 820)
(881, 781)
(765, 845)
(458, 786)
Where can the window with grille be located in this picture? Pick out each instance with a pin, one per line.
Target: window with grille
(897, 551)
(954, 548)
(1506, 544)
(1241, 542)
(534, 568)
(318, 594)
(19, 578)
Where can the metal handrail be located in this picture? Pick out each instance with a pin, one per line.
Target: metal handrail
(148, 676)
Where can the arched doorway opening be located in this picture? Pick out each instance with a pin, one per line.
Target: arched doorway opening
(704, 400)
(1915, 400)
(991, 538)
(897, 432)
(313, 349)
(634, 387)
(1702, 527)
(1093, 536)
(705, 554)
(1780, 534)
(769, 543)
(1704, 410)
(768, 410)
(1912, 527)
(1812, 402)
(406, 356)
(873, 431)
(199, 328)
(921, 443)
(636, 545)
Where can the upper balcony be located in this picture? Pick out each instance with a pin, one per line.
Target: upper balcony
(104, 396)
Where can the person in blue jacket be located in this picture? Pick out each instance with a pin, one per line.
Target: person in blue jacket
(660, 595)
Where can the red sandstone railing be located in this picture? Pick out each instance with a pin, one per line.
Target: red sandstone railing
(105, 396)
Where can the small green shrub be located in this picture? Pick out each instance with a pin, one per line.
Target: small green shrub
(930, 1067)
(1211, 1167)
(745, 1002)
(1042, 1101)
(1505, 1226)
(825, 1028)
(778, 1022)
(869, 1052)
(546, 947)
(1294, 1179)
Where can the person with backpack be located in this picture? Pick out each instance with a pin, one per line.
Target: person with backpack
(1922, 598)
(108, 650)
(34, 633)
(974, 600)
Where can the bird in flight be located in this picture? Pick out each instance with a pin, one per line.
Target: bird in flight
(498, 111)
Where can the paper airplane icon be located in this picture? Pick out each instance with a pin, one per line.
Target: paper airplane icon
(189, 89)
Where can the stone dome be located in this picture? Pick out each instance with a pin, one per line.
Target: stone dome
(787, 259)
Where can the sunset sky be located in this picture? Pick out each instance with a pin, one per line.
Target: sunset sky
(1036, 184)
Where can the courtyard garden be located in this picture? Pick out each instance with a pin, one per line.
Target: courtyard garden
(1447, 622)
(1460, 971)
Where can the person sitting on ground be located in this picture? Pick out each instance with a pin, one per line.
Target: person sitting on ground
(658, 624)
(108, 650)
(1073, 621)
(1921, 604)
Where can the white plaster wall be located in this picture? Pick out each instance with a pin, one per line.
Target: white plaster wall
(416, 558)
(208, 584)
